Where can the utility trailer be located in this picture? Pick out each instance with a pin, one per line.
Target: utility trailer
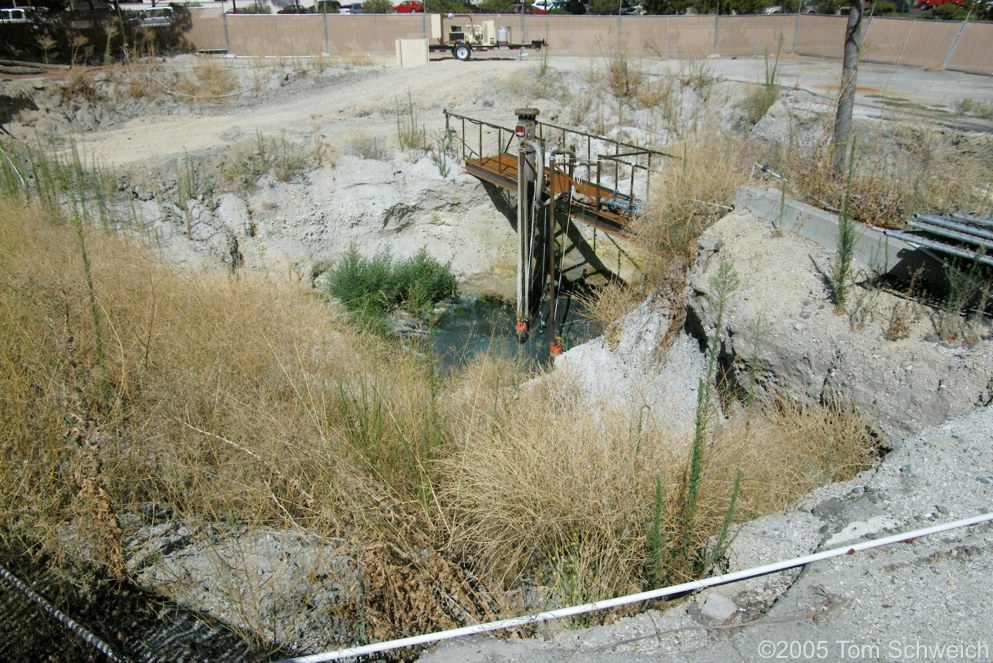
(465, 38)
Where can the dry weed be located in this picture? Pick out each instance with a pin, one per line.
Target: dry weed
(785, 450)
(212, 82)
(688, 195)
(545, 489)
(894, 176)
(608, 304)
(237, 400)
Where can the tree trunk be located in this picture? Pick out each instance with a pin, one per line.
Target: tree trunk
(846, 100)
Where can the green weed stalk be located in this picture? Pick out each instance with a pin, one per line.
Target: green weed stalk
(722, 285)
(656, 544)
(409, 135)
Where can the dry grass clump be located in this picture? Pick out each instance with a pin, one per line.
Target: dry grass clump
(79, 86)
(609, 303)
(894, 176)
(229, 400)
(366, 146)
(233, 401)
(688, 195)
(212, 82)
(786, 450)
(544, 488)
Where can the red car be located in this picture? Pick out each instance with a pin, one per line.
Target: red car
(925, 5)
(409, 7)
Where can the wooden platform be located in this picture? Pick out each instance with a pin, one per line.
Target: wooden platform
(599, 207)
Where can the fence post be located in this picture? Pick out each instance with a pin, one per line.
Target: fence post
(620, 42)
(796, 26)
(327, 46)
(955, 43)
(717, 17)
(227, 40)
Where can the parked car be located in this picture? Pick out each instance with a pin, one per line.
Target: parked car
(354, 8)
(528, 8)
(156, 17)
(409, 7)
(15, 15)
(293, 9)
(778, 9)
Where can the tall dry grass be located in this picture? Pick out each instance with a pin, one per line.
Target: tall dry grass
(897, 171)
(543, 489)
(689, 194)
(237, 402)
(230, 401)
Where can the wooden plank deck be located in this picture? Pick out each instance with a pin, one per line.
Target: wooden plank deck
(501, 170)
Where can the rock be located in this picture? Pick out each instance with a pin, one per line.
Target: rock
(718, 608)
(899, 387)
(862, 529)
(289, 587)
(640, 362)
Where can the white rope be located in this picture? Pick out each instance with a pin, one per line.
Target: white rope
(636, 598)
(66, 620)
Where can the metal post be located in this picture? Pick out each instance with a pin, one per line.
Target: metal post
(955, 42)
(620, 5)
(550, 257)
(526, 184)
(717, 18)
(227, 40)
(796, 26)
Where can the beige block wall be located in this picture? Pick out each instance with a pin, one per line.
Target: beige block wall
(207, 29)
(899, 41)
(974, 52)
(821, 36)
(368, 34)
(272, 34)
(909, 41)
(755, 35)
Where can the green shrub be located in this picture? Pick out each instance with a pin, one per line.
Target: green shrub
(255, 8)
(372, 287)
(950, 12)
(377, 7)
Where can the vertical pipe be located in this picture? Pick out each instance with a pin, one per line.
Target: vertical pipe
(596, 191)
(631, 192)
(550, 254)
(527, 193)
(648, 179)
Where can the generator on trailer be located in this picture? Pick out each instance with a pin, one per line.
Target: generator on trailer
(464, 38)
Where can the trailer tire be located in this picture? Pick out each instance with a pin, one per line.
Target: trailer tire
(462, 52)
